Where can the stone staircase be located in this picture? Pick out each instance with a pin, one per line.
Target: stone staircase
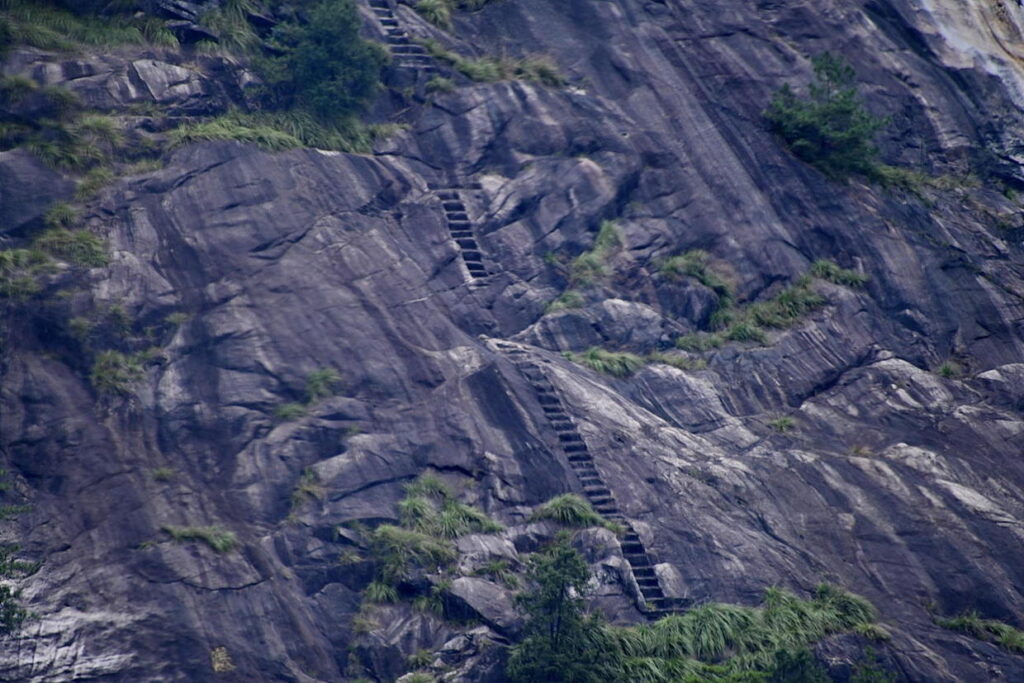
(406, 53)
(655, 604)
(460, 227)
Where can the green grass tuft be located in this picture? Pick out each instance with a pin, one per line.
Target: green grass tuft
(827, 270)
(113, 373)
(234, 127)
(783, 425)
(971, 623)
(608, 362)
(568, 299)
(220, 540)
(287, 412)
(79, 247)
(572, 510)
(93, 181)
(696, 264)
(321, 383)
(437, 12)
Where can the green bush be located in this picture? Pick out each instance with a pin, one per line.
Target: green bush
(971, 623)
(440, 84)
(19, 269)
(60, 215)
(234, 127)
(437, 12)
(287, 412)
(322, 64)
(570, 298)
(220, 540)
(561, 642)
(827, 270)
(678, 362)
(783, 425)
(113, 373)
(695, 264)
(321, 384)
(93, 181)
(830, 128)
(79, 247)
(608, 362)
(571, 510)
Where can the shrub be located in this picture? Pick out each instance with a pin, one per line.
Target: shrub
(608, 362)
(437, 12)
(440, 84)
(571, 510)
(79, 247)
(830, 129)
(561, 642)
(971, 623)
(322, 64)
(570, 298)
(699, 342)
(380, 592)
(695, 264)
(678, 362)
(949, 370)
(60, 215)
(234, 127)
(93, 182)
(827, 270)
(499, 570)
(289, 411)
(587, 268)
(18, 271)
(400, 551)
(220, 540)
(163, 474)
(321, 383)
(113, 373)
(783, 425)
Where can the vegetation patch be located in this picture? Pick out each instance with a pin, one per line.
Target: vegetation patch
(113, 373)
(219, 539)
(19, 272)
(830, 128)
(568, 299)
(571, 510)
(79, 247)
(992, 630)
(537, 69)
(749, 323)
(696, 264)
(620, 364)
(48, 26)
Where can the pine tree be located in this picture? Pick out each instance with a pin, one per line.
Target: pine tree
(562, 643)
(830, 128)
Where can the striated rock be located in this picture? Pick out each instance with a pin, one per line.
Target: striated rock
(28, 189)
(476, 598)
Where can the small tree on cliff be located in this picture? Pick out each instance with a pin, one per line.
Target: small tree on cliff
(562, 643)
(830, 128)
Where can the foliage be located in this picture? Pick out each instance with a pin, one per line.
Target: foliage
(992, 630)
(219, 539)
(696, 264)
(572, 510)
(430, 508)
(79, 247)
(60, 215)
(113, 373)
(42, 24)
(538, 69)
(322, 64)
(380, 592)
(500, 571)
(827, 270)
(608, 362)
(561, 643)
(12, 614)
(289, 411)
(949, 370)
(783, 424)
(570, 298)
(437, 12)
(234, 126)
(93, 182)
(163, 474)
(728, 642)
(321, 383)
(400, 551)
(19, 269)
(676, 361)
(830, 128)
(869, 670)
(440, 84)
(308, 486)
(231, 26)
(699, 342)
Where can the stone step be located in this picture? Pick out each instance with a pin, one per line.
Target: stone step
(408, 50)
(447, 195)
(451, 204)
(460, 224)
(574, 448)
(463, 216)
(597, 490)
(651, 592)
(415, 59)
(388, 22)
(637, 559)
(643, 571)
(553, 408)
(563, 426)
(467, 243)
(475, 268)
(602, 500)
(569, 437)
(592, 482)
(647, 582)
(462, 235)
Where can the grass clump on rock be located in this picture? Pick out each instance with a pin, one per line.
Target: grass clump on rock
(78, 247)
(992, 630)
(570, 510)
(113, 373)
(608, 362)
(219, 539)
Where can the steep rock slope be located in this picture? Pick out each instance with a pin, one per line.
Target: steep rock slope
(899, 484)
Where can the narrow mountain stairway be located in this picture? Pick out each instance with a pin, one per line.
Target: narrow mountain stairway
(655, 603)
(460, 226)
(405, 52)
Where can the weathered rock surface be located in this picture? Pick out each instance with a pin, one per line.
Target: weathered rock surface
(896, 483)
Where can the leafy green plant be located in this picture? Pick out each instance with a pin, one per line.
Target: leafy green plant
(500, 571)
(568, 299)
(440, 84)
(696, 264)
(561, 642)
(676, 361)
(571, 510)
(176, 319)
(48, 27)
(60, 215)
(437, 12)
(287, 412)
(381, 593)
(321, 384)
(79, 247)
(234, 127)
(827, 270)
(699, 342)
(308, 487)
(420, 659)
(830, 128)
(163, 474)
(19, 269)
(972, 624)
(399, 551)
(783, 425)
(113, 373)
(219, 539)
(949, 370)
(609, 362)
(93, 181)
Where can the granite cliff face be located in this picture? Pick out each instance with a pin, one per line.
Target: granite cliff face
(896, 482)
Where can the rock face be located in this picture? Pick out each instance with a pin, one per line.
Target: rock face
(896, 482)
